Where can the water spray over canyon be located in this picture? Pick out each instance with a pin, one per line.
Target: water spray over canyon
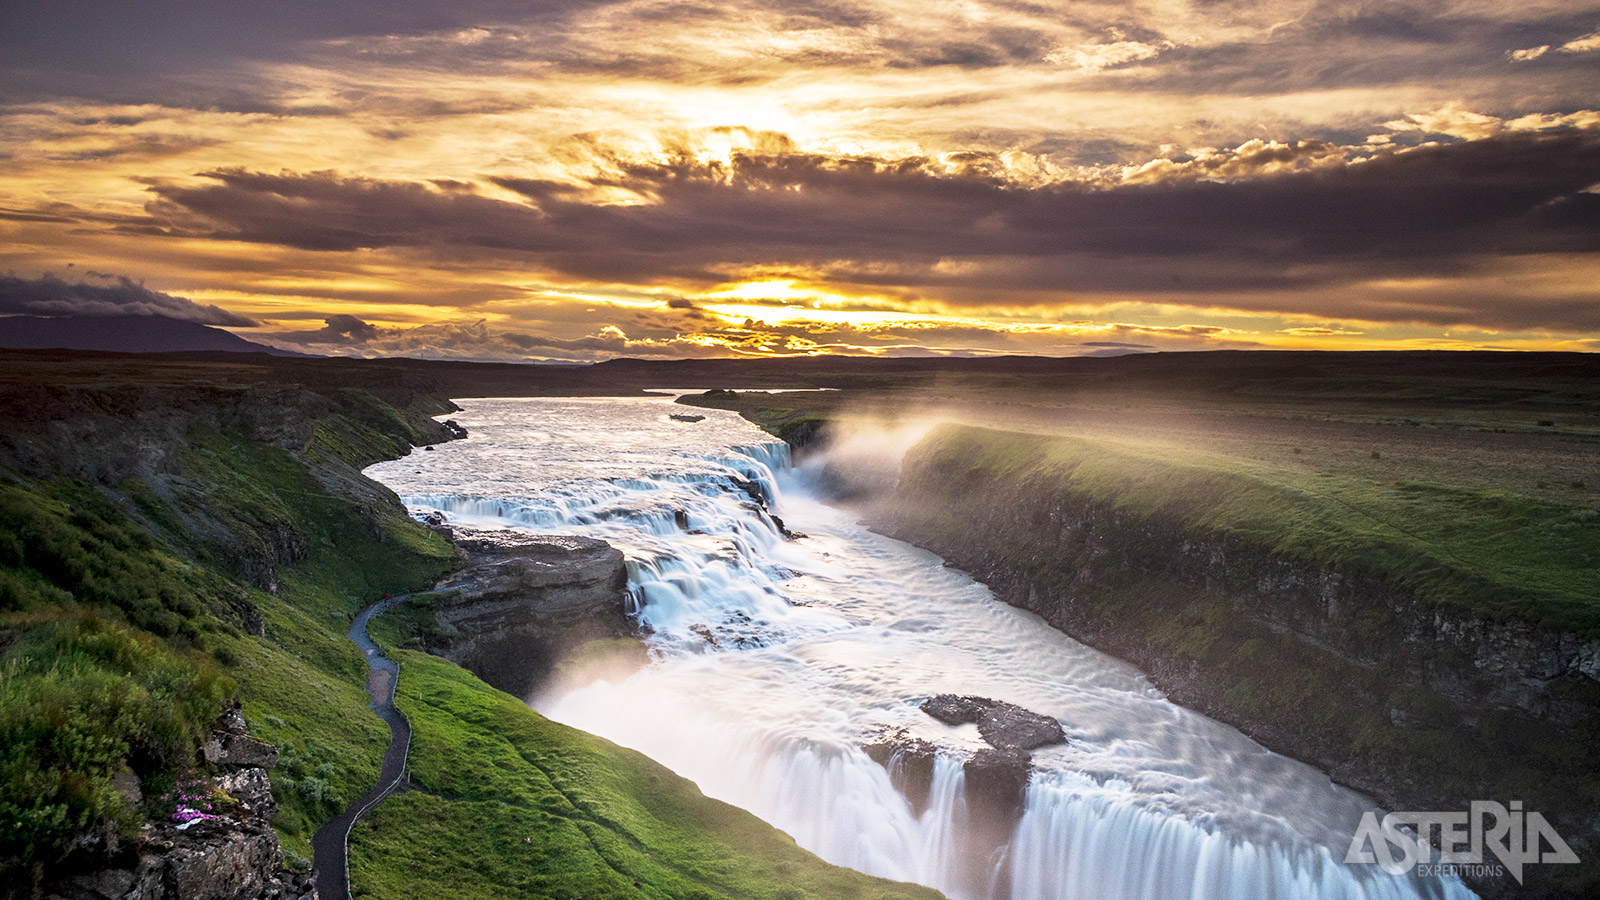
(775, 660)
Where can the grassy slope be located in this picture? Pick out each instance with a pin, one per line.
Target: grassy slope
(514, 805)
(112, 598)
(123, 627)
(1481, 542)
(796, 425)
(302, 685)
(1498, 553)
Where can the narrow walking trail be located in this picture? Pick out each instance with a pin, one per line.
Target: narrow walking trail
(330, 845)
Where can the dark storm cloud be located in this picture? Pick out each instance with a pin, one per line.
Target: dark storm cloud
(1344, 46)
(348, 329)
(321, 211)
(94, 38)
(106, 296)
(338, 330)
(1431, 211)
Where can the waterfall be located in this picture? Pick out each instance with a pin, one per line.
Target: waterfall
(774, 661)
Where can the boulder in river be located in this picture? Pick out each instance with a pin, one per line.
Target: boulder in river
(997, 780)
(1003, 725)
(909, 761)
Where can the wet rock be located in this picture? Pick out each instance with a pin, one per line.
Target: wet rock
(784, 530)
(1001, 724)
(436, 523)
(523, 601)
(997, 780)
(752, 490)
(954, 710)
(909, 761)
(455, 428)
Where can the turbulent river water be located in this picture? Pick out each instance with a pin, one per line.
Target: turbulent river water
(773, 660)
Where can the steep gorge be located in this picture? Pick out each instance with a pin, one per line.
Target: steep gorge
(1421, 704)
(174, 544)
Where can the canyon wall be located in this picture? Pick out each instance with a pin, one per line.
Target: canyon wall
(1421, 705)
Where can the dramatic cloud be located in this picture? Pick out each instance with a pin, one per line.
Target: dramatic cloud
(580, 178)
(106, 296)
(712, 336)
(1263, 216)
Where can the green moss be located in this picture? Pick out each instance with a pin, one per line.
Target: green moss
(354, 551)
(514, 805)
(1496, 553)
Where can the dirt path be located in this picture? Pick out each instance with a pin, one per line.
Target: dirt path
(330, 845)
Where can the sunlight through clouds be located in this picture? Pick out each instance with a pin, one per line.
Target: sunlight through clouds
(875, 177)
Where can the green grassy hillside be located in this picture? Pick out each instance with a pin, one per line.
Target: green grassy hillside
(134, 604)
(126, 622)
(1338, 620)
(1499, 553)
(510, 804)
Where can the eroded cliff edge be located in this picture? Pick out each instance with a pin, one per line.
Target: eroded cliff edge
(522, 604)
(1422, 704)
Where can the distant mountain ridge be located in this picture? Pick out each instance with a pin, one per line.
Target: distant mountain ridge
(123, 334)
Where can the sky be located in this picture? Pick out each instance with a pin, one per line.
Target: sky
(581, 179)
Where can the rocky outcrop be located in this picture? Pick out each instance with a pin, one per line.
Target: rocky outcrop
(232, 748)
(1377, 676)
(997, 781)
(909, 761)
(522, 601)
(1003, 725)
(218, 845)
(996, 776)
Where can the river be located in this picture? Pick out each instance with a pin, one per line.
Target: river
(773, 660)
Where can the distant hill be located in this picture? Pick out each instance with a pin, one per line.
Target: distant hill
(123, 334)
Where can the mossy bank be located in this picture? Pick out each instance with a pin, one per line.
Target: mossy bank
(1427, 645)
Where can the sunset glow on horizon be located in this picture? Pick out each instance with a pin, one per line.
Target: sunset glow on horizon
(585, 179)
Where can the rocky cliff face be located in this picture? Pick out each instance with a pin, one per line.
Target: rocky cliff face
(111, 434)
(1421, 706)
(217, 845)
(523, 601)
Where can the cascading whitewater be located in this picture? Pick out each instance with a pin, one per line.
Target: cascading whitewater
(773, 661)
